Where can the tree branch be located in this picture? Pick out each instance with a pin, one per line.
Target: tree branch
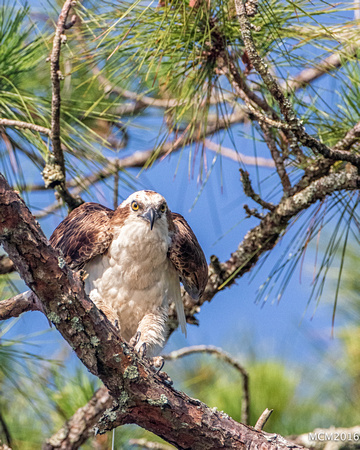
(81, 425)
(25, 125)
(264, 237)
(54, 173)
(277, 157)
(306, 76)
(141, 395)
(224, 356)
(249, 191)
(239, 157)
(14, 306)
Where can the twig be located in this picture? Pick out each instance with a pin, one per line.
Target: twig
(249, 191)
(144, 100)
(277, 157)
(25, 125)
(253, 212)
(219, 353)
(54, 173)
(239, 157)
(143, 443)
(260, 423)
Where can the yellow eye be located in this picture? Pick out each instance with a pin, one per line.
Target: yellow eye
(163, 208)
(134, 206)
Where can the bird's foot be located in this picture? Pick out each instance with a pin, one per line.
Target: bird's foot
(135, 339)
(157, 363)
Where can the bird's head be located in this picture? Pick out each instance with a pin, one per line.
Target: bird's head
(147, 205)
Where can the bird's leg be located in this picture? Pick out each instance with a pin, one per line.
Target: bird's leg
(149, 340)
(152, 329)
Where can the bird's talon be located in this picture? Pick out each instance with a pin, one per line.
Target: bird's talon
(158, 363)
(142, 350)
(165, 378)
(135, 339)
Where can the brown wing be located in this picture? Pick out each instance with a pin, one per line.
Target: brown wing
(188, 258)
(83, 234)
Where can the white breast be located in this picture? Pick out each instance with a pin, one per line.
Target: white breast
(134, 277)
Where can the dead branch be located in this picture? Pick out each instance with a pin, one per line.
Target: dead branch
(25, 126)
(80, 426)
(260, 423)
(264, 236)
(239, 157)
(14, 306)
(226, 357)
(249, 191)
(54, 173)
(141, 395)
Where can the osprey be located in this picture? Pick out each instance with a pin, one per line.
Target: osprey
(134, 258)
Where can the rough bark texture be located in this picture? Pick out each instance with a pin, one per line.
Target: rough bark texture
(6, 265)
(141, 396)
(80, 426)
(19, 304)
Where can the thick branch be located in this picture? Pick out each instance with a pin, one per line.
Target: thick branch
(142, 397)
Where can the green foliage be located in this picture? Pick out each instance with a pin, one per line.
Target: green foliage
(21, 50)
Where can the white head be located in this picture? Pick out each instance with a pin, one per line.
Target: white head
(147, 205)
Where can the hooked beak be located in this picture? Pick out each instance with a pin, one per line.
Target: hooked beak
(151, 215)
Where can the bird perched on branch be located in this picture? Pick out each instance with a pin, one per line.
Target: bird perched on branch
(134, 258)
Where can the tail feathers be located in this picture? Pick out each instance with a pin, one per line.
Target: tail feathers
(180, 312)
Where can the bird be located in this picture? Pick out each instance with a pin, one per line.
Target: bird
(134, 258)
